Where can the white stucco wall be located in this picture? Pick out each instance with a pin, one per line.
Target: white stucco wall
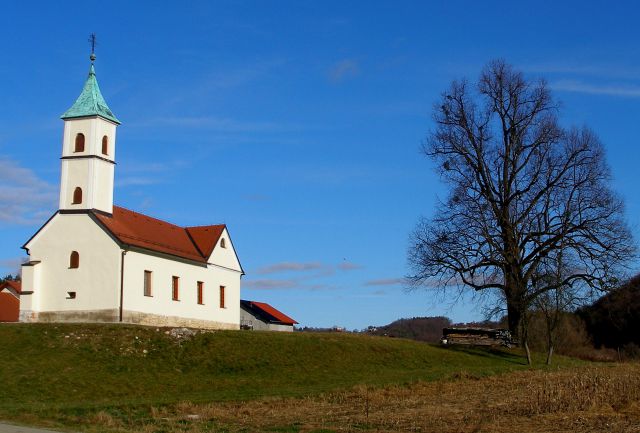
(96, 281)
(31, 281)
(101, 191)
(161, 302)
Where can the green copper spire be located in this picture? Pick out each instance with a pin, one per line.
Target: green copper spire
(90, 102)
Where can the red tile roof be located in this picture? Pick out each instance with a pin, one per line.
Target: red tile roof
(15, 285)
(278, 315)
(136, 229)
(205, 237)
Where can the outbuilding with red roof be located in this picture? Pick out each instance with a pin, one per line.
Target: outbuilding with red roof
(263, 317)
(9, 301)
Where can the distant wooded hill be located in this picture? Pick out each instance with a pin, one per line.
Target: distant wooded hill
(614, 320)
(428, 329)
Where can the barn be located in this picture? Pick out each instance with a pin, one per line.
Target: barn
(10, 301)
(263, 317)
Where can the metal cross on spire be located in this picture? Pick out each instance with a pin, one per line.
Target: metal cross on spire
(92, 41)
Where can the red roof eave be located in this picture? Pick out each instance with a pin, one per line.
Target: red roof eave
(283, 318)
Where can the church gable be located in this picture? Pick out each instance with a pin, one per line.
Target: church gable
(69, 230)
(66, 228)
(224, 253)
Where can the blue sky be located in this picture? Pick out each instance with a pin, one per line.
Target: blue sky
(298, 124)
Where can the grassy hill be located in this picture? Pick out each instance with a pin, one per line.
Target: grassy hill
(55, 371)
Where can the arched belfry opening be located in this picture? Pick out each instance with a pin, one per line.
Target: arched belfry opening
(79, 144)
(77, 196)
(74, 260)
(105, 145)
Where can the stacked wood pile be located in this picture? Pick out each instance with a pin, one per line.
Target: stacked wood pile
(477, 337)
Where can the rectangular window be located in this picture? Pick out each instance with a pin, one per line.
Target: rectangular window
(222, 297)
(174, 288)
(200, 290)
(147, 283)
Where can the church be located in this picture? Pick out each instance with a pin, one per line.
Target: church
(93, 261)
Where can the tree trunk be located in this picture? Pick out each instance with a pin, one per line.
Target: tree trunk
(528, 352)
(549, 354)
(514, 318)
(550, 331)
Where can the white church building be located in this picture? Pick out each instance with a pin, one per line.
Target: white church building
(93, 261)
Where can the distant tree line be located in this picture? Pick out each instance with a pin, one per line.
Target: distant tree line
(10, 277)
(607, 329)
(427, 329)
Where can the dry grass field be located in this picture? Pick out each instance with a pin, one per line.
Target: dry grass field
(596, 398)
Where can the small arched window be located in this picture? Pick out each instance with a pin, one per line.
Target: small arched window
(74, 260)
(79, 143)
(77, 196)
(223, 244)
(105, 145)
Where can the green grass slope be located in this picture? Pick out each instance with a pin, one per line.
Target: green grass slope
(46, 369)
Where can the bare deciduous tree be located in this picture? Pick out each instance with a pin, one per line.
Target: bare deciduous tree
(521, 189)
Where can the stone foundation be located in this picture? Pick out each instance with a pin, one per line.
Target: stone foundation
(90, 316)
(148, 319)
(113, 316)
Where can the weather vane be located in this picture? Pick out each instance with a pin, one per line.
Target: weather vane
(92, 41)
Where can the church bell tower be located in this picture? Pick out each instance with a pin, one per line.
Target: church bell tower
(88, 151)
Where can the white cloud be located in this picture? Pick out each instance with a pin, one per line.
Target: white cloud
(219, 124)
(308, 276)
(386, 282)
(630, 91)
(151, 173)
(12, 265)
(269, 284)
(348, 266)
(610, 71)
(137, 181)
(26, 199)
(231, 78)
(256, 197)
(317, 269)
(299, 284)
(344, 69)
(289, 267)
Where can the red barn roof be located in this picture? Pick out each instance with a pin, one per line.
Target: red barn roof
(267, 309)
(15, 285)
(136, 229)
